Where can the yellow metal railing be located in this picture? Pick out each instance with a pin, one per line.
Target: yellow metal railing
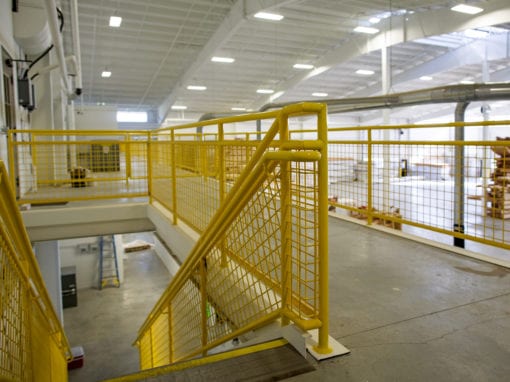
(411, 177)
(33, 346)
(263, 254)
(60, 166)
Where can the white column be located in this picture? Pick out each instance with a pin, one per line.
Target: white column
(47, 254)
(386, 85)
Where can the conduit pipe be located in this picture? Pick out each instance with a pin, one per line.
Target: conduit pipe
(76, 45)
(458, 194)
(49, 68)
(443, 94)
(51, 10)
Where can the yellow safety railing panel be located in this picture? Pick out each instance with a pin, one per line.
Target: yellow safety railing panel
(437, 188)
(33, 346)
(260, 256)
(61, 166)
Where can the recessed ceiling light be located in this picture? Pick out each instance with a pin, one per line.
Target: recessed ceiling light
(467, 82)
(425, 78)
(115, 21)
(368, 30)
(196, 87)
(265, 91)
(374, 20)
(303, 66)
(106, 74)
(227, 60)
(179, 107)
(319, 94)
(365, 72)
(238, 109)
(469, 9)
(268, 16)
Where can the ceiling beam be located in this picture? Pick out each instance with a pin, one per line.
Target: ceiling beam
(229, 26)
(495, 46)
(403, 29)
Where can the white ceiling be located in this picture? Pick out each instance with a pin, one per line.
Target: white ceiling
(163, 46)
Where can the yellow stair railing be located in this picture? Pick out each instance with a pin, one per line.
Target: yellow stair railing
(262, 257)
(33, 346)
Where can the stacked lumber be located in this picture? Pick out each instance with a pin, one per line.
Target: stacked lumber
(498, 193)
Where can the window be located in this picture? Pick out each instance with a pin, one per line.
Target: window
(132, 116)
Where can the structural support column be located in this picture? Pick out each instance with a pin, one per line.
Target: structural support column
(458, 207)
(386, 85)
(47, 255)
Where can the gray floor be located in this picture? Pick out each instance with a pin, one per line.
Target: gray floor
(406, 311)
(106, 322)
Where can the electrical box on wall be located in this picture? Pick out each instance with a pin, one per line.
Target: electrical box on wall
(26, 94)
(83, 249)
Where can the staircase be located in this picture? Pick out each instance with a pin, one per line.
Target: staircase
(269, 361)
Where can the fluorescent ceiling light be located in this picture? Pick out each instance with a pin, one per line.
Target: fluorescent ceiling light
(365, 72)
(425, 78)
(303, 66)
(179, 107)
(106, 74)
(268, 16)
(115, 21)
(374, 20)
(196, 87)
(238, 109)
(467, 82)
(319, 94)
(227, 60)
(469, 9)
(276, 95)
(265, 91)
(368, 30)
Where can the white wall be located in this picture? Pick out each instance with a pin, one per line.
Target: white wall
(83, 253)
(167, 259)
(96, 118)
(6, 27)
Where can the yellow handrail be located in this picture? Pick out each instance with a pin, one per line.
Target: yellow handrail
(37, 346)
(248, 267)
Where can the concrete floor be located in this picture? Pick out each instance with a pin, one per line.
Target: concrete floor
(407, 312)
(105, 323)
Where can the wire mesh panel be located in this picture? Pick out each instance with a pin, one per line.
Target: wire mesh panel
(259, 254)
(436, 187)
(33, 346)
(13, 330)
(186, 319)
(52, 166)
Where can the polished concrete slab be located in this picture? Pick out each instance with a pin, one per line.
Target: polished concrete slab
(106, 322)
(407, 312)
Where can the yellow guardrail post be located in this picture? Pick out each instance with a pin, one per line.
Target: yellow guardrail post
(170, 335)
(323, 344)
(11, 149)
(203, 304)
(149, 168)
(221, 161)
(128, 156)
(369, 177)
(221, 179)
(285, 223)
(174, 177)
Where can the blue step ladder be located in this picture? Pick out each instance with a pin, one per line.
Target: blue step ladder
(108, 265)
